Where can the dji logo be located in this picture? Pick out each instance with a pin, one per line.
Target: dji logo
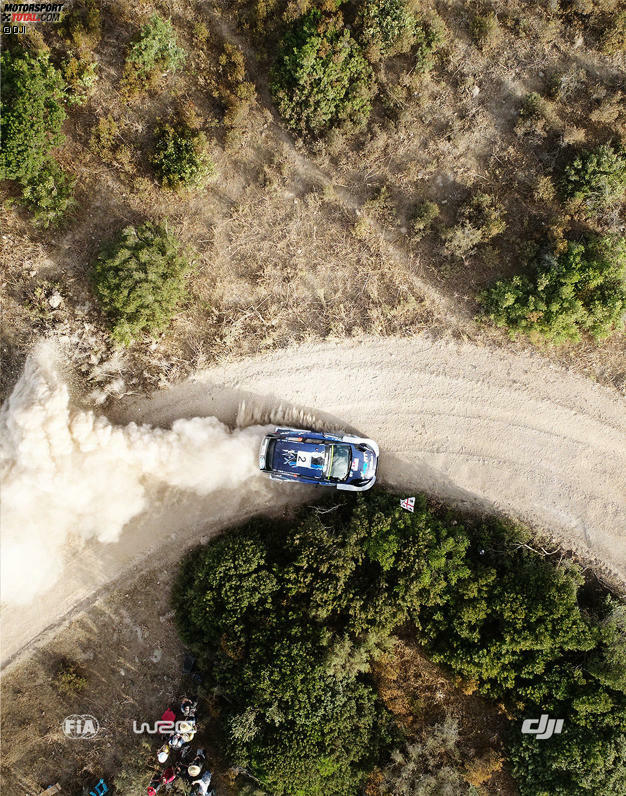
(76, 726)
(545, 727)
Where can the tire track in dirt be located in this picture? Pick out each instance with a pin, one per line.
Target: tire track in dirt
(465, 423)
(477, 427)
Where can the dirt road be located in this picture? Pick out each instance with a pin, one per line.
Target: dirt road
(476, 426)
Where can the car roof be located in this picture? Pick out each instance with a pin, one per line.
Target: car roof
(299, 457)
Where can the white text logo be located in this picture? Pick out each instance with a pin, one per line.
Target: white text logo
(76, 726)
(543, 727)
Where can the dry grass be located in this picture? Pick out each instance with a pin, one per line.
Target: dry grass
(292, 241)
(420, 695)
(113, 647)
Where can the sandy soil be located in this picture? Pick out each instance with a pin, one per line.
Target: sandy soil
(481, 428)
(469, 424)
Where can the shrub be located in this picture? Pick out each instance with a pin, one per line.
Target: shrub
(140, 281)
(33, 94)
(49, 194)
(544, 190)
(479, 220)
(429, 38)
(613, 33)
(235, 92)
(532, 116)
(484, 29)
(68, 680)
(429, 766)
(180, 157)
(82, 26)
(385, 27)
(425, 215)
(321, 79)
(80, 76)
(580, 290)
(156, 49)
(596, 179)
(565, 85)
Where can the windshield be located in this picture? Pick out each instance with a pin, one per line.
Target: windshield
(339, 462)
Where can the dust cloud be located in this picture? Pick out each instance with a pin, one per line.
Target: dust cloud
(67, 475)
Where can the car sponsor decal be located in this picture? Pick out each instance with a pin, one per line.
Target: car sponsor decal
(309, 460)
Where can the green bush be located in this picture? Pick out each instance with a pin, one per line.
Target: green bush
(80, 75)
(287, 619)
(49, 194)
(33, 112)
(33, 96)
(68, 680)
(140, 281)
(385, 27)
(480, 219)
(429, 38)
(484, 29)
(425, 216)
(156, 49)
(82, 25)
(580, 290)
(180, 157)
(321, 78)
(596, 179)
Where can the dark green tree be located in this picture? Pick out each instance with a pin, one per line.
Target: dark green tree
(139, 281)
(596, 179)
(579, 291)
(33, 112)
(321, 78)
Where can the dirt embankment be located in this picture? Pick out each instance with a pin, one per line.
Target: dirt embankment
(474, 426)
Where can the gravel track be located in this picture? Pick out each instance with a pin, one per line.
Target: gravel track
(475, 426)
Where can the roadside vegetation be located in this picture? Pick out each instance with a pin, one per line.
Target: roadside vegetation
(293, 622)
(180, 157)
(265, 134)
(581, 290)
(321, 78)
(139, 280)
(34, 96)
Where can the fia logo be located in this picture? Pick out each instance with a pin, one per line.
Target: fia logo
(76, 726)
(545, 728)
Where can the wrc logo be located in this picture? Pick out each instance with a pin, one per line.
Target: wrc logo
(545, 728)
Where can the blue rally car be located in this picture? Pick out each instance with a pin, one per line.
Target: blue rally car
(313, 457)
